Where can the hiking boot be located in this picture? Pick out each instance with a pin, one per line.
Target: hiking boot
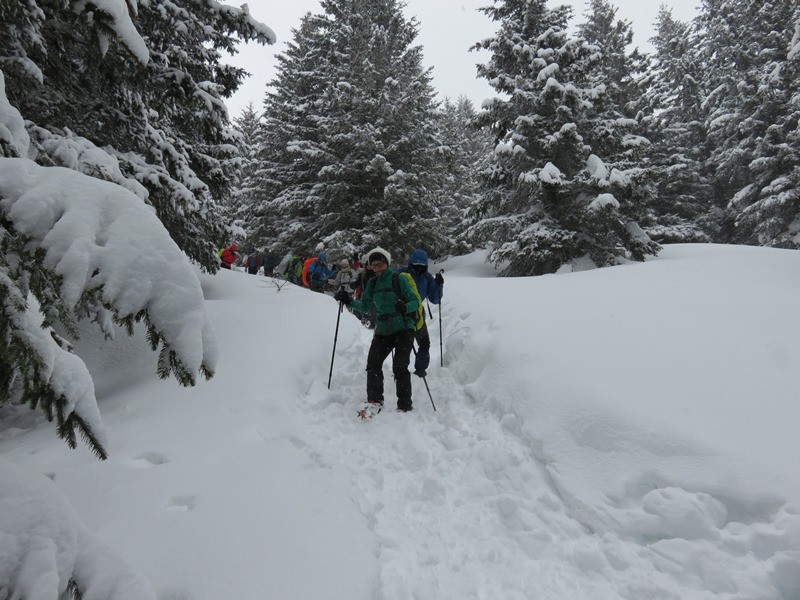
(404, 408)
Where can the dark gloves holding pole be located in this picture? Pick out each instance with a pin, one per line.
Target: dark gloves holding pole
(439, 279)
(343, 297)
(400, 306)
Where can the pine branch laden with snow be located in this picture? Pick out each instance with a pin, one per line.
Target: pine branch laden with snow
(46, 553)
(83, 248)
(154, 104)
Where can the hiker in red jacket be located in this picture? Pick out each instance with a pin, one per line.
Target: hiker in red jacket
(228, 256)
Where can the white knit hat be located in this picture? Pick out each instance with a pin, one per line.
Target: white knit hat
(384, 255)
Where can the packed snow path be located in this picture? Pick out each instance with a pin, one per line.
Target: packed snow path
(463, 507)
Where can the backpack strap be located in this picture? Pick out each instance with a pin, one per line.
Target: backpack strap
(371, 280)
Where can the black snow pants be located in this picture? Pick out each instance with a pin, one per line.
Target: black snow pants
(382, 345)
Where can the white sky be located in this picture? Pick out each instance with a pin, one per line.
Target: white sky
(625, 433)
(447, 29)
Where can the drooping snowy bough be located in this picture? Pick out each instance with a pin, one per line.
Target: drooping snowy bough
(89, 248)
(73, 247)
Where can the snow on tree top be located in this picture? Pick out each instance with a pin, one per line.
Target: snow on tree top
(550, 174)
(547, 71)
(602, 201)
(596, 168)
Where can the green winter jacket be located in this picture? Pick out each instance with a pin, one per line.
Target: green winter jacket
(379, 293)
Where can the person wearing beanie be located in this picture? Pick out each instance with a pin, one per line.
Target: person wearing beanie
(393, 330)
(429, 287)
(345, 278)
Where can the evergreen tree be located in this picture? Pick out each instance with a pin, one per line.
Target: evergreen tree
(752, 118)
(674, 105)
(550, 199)
(78, 252)
(349, 136)
(615, 125)
(290, 153)
(463, 155)
(239, 209)
(152, 103)
(76, 245)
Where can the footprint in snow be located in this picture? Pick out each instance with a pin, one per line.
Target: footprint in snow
(182, 503)
(147, 460)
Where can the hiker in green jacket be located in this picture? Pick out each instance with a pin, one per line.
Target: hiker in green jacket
(393, 329)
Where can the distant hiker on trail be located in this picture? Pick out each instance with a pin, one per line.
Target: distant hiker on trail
(252, 263)
(227, 256)
(318, 272)
(294, 269)
(392, 331)
(357, 264)
(429, 287)
(270, 261)
(345, 278)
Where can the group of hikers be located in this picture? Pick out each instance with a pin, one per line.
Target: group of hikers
(388, 300)
(252, 263)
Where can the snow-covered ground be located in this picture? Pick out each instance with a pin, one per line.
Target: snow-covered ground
(629, 432)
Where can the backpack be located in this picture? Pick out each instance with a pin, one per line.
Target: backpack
(219, 252)
(292, 268)
(306, 265)
(419, 315)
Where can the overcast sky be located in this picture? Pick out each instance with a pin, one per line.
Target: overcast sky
(447, 30)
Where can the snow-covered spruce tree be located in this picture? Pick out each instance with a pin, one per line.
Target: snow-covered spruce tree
(71, 248)
(618, 72)
(616, 129)
(673, 103)
(350, 135)
(464, 155)
(282, 186)
(238, 207)
(105, 103)
(549, 199)
(79, 247)
(752, 118)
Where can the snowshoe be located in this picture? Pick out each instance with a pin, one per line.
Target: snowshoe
(368, 410)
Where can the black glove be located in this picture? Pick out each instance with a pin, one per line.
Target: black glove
(343, 297)
(400, 306)
(439, 279)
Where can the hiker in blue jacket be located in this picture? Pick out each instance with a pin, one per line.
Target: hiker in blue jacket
(318, 273)
(429, 287)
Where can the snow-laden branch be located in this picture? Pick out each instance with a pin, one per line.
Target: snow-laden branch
(97, 235)
(83, 247)
(118, 13)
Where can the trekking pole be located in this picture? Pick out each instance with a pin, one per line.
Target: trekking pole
(441, 335)
(430, 312)
(425, 378)
(335, 337)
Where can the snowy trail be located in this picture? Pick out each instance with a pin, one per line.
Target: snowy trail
(462, 507)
